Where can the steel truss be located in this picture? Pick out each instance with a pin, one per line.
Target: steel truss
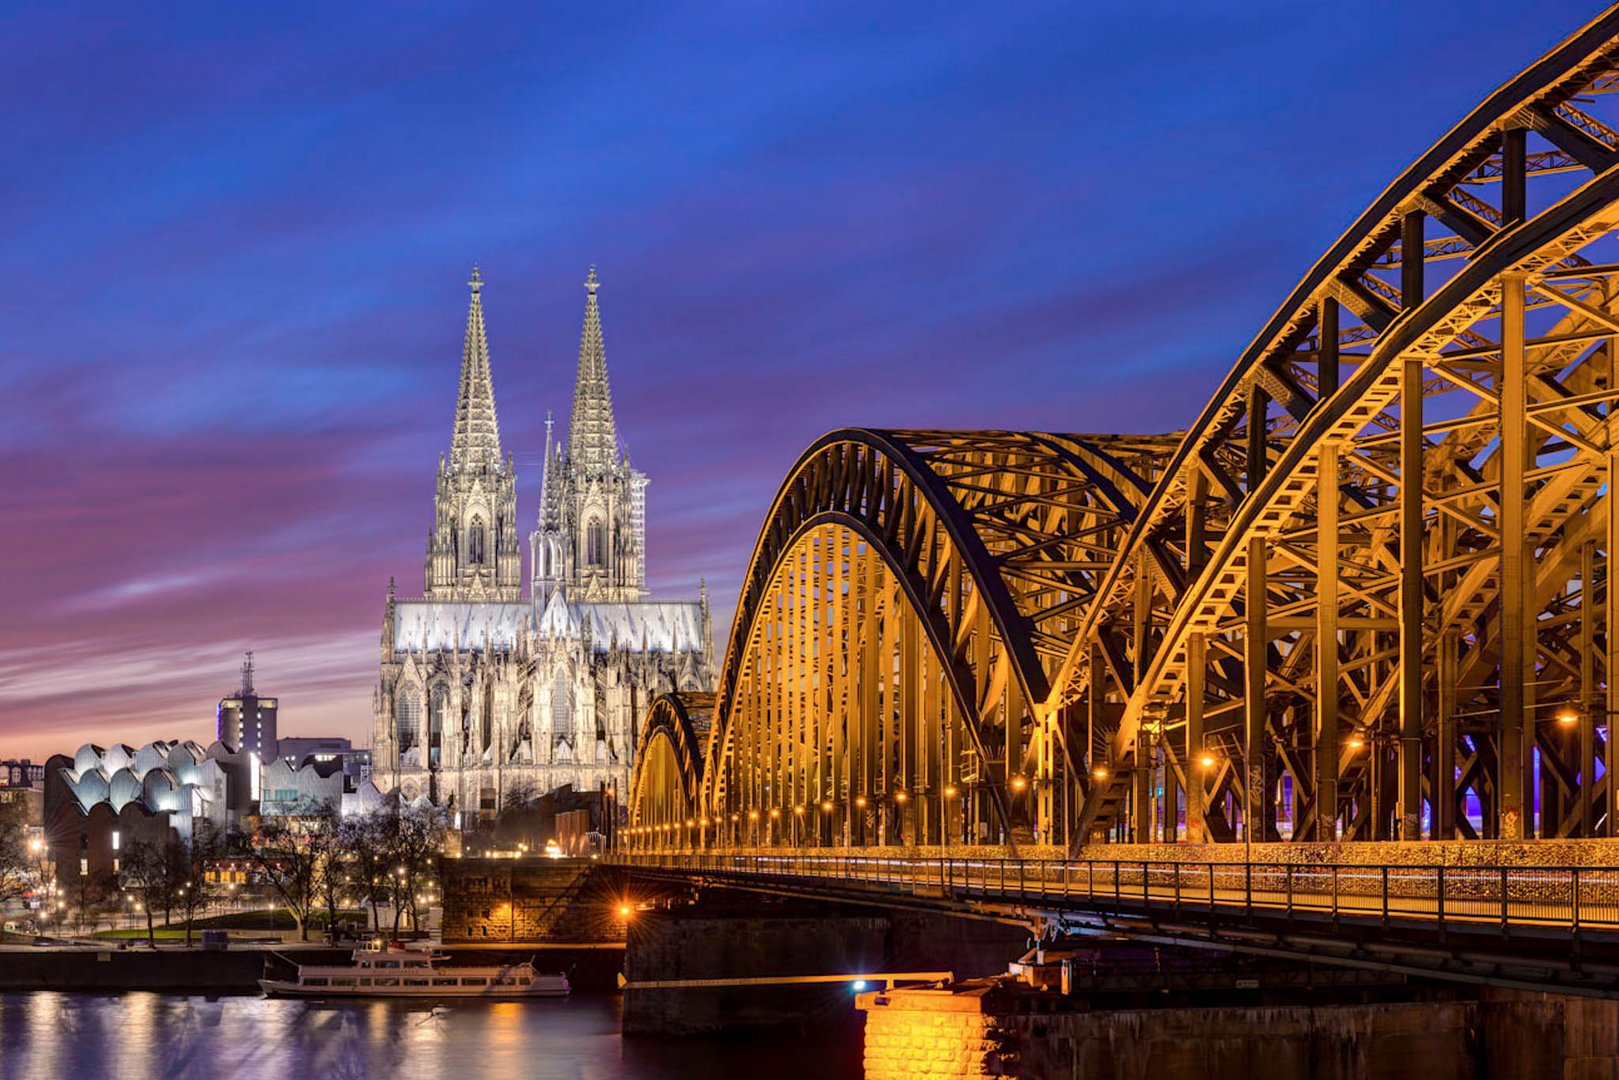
(1000, 636)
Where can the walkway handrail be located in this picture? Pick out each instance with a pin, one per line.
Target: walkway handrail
(1580, 899)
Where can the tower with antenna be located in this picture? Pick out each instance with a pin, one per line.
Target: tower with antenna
(247, 721)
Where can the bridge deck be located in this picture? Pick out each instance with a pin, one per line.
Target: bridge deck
(1543, 927)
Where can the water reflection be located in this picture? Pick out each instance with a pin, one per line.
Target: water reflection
(140, 1035)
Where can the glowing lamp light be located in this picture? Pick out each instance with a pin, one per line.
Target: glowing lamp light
(753, 815)
(690, 822)
(1207, 761)
(1356, 744)
(826, 807)
(775, 812)
(950, 792)
(799, 810)
(860, 801)
(899, 796)
(624, 911)
(1018, 783)
(859, 985)
(1568, 716)
(1099, 772)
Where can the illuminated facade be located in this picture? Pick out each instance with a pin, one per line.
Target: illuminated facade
(487, 696)
(1366, 595)
(247, 720)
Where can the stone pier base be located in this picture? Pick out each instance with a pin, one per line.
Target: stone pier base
(997, 1028)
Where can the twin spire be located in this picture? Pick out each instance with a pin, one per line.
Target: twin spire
(476, 440)
(592, 433)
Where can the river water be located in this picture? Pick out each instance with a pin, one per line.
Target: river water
(143, 1035)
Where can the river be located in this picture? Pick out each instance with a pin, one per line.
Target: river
(149, 1036)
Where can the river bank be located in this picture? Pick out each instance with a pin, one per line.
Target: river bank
(176, 969)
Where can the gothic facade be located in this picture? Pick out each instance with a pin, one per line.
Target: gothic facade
(486, 695)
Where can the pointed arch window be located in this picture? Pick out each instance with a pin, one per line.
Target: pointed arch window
(407, 719)
(595, 536)
(475, 542)
(438, 706)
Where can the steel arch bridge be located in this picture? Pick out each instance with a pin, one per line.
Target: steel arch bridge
(1365, 595)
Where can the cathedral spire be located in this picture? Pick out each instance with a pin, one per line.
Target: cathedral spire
(592, 435)
(545, 471)
(476, 441)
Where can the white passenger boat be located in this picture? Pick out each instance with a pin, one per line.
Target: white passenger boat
(395, 971)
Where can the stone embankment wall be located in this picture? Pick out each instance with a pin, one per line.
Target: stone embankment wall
(727, 937)
(975, 1031)
(559, 901)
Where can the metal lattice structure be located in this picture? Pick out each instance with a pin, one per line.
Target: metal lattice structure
(1364, 596)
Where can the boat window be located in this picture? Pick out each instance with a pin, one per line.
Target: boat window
(387, 982)
(443, 982)
(314, 982)
(387, 964)
(503, 981)
(416, 982)
(365, 982)
(342, 982)
(475, 982)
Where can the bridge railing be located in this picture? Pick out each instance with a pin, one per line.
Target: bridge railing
(1577, 898)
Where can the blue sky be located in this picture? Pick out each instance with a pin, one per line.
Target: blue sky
(234, 241)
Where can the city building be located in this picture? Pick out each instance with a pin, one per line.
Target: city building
(101, 799)
(22, 784)
(246, 720)
(296, 748)
(486, 696)
(320, 781)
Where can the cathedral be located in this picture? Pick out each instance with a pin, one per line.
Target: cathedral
(488, 696)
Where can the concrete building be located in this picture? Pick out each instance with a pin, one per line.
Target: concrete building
(295, 748)
(317, 781)
(100, 798)
(247, 721)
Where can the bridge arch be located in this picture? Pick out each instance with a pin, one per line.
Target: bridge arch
(1365, 595)
(908, 597)
(1484, 367)
(666, 785)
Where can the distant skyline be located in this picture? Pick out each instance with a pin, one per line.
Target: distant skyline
(235, 241)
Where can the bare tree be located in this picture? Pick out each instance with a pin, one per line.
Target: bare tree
(288, 851)
(195, 892)
(147, 871)
(18, 874)
(417, 839)
(365, 841)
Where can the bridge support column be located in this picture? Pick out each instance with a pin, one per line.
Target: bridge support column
(1610, 621)
(1196, 780)
(1510, 747)
(1326, 645)
(1410, 765)
(1445, 796)
(1256, 805)
(1412, 253)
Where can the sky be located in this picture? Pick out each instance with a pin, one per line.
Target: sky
(234, 242)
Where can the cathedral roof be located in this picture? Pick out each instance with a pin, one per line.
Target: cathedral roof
(592, 434)
(658, 626)
(476, 439)
(428, 625)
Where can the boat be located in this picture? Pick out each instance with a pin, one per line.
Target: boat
(391, 970)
